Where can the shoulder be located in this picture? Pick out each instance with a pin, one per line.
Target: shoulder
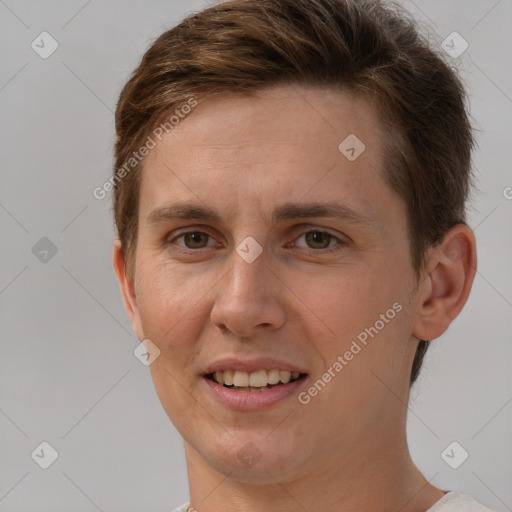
(455, 502)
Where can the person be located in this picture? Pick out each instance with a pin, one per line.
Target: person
(258, 129)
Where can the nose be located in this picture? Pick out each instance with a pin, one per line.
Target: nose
(249, 300)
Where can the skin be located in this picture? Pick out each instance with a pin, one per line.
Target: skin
(198, 301)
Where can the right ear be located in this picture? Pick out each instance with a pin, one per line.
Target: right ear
(127, 289)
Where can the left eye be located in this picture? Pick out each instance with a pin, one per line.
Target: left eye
(318, 239)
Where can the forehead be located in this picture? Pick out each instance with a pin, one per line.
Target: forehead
(285, 114)
(287, 140)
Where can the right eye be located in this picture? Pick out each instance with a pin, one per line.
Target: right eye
(192, 239)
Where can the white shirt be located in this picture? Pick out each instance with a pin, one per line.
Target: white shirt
(455, 502)
(451, 502)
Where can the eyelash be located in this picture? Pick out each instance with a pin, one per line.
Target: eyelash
(341, 243)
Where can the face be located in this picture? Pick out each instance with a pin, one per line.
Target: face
(264, 245)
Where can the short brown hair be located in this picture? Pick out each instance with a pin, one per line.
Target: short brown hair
(370, 48)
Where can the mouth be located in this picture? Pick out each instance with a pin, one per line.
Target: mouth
(257, 381)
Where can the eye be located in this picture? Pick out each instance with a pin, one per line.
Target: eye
(192, 239)
(316, 240)
(320, 240)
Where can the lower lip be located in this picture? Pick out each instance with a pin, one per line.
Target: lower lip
(253, 400)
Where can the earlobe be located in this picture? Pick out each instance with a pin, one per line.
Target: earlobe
(127, 289)
(445, 290)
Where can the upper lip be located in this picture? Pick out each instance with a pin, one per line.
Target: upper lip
(252, 365)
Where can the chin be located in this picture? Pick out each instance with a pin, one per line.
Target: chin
(255, 459)
(268, 470)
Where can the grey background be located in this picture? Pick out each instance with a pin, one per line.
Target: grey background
(68, 375)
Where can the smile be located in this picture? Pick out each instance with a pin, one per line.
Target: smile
(260, 380)
(251, 391)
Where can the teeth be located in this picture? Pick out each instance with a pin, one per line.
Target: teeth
(273, 376)
(284, 376)
(258, 380)
(228, 377)
(241, 379)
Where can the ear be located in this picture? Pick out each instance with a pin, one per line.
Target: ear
(127, 290)
(445, 289)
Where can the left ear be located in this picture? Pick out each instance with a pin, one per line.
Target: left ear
(445, 289)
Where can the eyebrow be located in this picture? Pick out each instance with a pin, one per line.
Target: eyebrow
(197, 211)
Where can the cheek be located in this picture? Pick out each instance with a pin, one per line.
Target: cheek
(172, 315)
(365, 320)
(344, 301)
(170, 304)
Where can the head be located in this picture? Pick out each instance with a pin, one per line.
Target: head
(248, 112)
